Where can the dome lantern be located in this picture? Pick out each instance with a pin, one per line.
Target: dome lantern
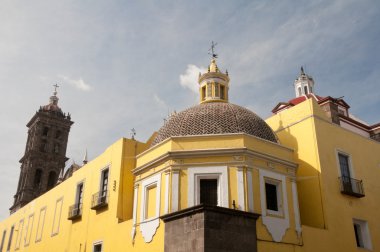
(213, 85)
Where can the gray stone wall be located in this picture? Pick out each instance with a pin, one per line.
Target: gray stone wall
(209, 229)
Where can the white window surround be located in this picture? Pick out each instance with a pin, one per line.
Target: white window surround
(148, 227)
(364, 235)
(195, 174)
(97, 243)
(279, 196)
(350, 167)
(276, 225)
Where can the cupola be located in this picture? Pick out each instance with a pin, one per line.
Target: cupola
(304, 84)
(213, 85)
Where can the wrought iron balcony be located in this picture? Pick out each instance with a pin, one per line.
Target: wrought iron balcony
(99, 200)
(75, 211)
(352, 187)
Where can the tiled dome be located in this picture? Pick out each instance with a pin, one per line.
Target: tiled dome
(215, 118)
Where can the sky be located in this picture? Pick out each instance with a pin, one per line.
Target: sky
(127, 64)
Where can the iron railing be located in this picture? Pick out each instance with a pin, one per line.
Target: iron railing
(352, 187)
(99, 200)
(75, 211)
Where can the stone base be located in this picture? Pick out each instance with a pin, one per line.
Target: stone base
(210, 228)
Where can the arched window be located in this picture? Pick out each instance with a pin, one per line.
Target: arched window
(51, 180)
(299, 91)
(37, 178)
(305, 88)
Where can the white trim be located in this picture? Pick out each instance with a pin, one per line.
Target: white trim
(364, 236)
(167, 177)
(276, 225)
(350, 166)
(297, 217)
(240, 189)
(250, 190)
(135, 201)
(175, 191)
(196, 173)
(148, 227)
(97, 243)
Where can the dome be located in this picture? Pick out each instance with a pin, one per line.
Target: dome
(215, 118)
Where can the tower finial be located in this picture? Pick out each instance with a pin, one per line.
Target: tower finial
(212, 49)
(302, 71)
(55, 88)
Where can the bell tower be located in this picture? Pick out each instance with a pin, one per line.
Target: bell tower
(45, 152)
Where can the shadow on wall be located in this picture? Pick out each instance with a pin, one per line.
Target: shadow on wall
(308, 174)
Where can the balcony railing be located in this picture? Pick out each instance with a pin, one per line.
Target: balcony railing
(75, 211)
(99, 200)
(352, 187)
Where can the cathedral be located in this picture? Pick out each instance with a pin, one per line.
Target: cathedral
(214, 177)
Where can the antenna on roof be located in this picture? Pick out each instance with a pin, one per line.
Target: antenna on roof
(133, 133)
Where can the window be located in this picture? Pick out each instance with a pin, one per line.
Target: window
(222, 92)
(299, 91)
(2, 240)
(208, 185)
(41, 222)
(29, 229)
(10, 238)
(43, 146)
(37, 178)
(209, 191)
(57, 216)
(58, 134)
(98, 247)
(51, 180)
(56, 148)
(45, 131)
(75, 211)
(151, 202)
(203, 93)
(216, 89)
(273, 196)
(104, 183)
(19, 234)
(361, 232)
(305, 88)
(79, 196)
(209, 90)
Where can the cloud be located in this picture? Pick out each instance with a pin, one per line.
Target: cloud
(79, 83)
(159, 100)
(190, 78)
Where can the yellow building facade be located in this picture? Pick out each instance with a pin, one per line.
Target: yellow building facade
(216, 177)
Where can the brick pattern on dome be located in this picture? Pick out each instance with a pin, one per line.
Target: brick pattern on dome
(215, 118)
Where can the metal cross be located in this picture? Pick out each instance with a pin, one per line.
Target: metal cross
(55, 87)
(212, 49)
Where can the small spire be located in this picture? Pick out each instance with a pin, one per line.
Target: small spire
(85, 159)
(302, 71)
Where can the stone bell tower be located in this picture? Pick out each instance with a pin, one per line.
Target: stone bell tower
(45, 152)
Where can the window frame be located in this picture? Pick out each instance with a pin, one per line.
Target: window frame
(146, 184)
(19, 234)
(96, 244)
(10, 238)
(350, 166)
(211, 172)
(363, 234)
(3, 240)
(279, 196)
(29, 230)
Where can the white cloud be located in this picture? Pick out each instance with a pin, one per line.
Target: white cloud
(190, 78)
(79, 83)
(159, 100)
